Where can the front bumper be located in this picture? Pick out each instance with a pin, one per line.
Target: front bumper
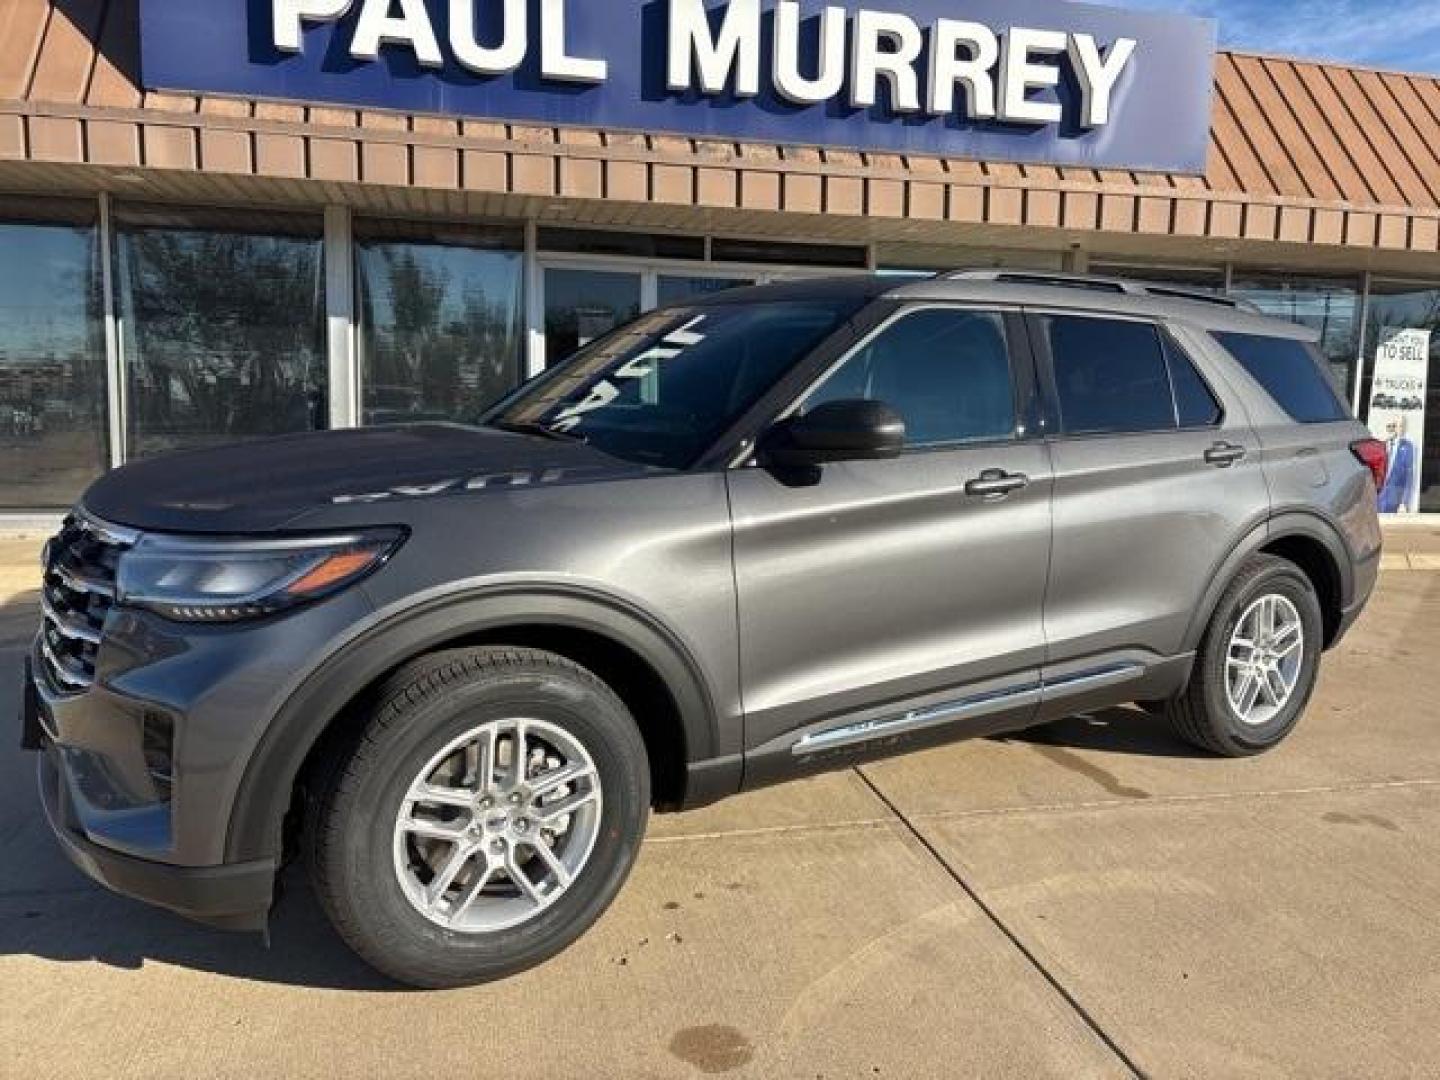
(139, 772)
(234, 897)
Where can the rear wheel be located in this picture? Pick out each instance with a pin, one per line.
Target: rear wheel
(486, 817)
(1257, 665)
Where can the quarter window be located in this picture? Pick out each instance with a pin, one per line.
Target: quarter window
(1291, 372)
(946, 372)
(1111, 376)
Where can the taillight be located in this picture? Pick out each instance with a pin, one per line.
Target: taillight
(1372, 455)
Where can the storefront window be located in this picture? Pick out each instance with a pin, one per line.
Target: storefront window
(441, 320)
(52, 354)
(789, 253)
(1411, 311)
(1203, 278)
(915, 259)
(583, 305)
(1330, 306)
(672, 288)
(625, 243)
(224, 316)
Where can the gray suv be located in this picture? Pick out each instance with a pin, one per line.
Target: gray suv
(761, 535)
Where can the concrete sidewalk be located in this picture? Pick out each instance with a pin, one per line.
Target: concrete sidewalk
(1089, 900)
(1412, 547)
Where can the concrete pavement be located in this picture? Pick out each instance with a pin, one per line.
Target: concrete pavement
(1090, 899)
(1414, 545)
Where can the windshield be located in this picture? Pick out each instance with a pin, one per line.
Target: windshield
(662, 389)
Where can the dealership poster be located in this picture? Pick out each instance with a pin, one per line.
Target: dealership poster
(1397, 415)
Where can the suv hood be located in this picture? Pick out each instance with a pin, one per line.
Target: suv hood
(267, 485)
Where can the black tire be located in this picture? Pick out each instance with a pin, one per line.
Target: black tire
(419, 711)
(1202, 715)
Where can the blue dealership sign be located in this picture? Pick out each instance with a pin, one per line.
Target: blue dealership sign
(1043, 81)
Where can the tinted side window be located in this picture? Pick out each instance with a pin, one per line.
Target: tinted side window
(946, 372)
(1195, 405)
(1111, 376)
(1290, 372)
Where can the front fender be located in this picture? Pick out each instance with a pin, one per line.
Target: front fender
(266, 788)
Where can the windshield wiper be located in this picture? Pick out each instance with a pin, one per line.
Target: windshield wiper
(533, 427)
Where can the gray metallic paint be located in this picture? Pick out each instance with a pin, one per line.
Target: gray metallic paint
(1138, 521)
(772, 609)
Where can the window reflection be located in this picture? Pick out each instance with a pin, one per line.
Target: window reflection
(946, 372)
(441, 321)
(225, 326)
(1203, 278)
(671, 289)
(52, 354)
(1331, 307)
(583, 305)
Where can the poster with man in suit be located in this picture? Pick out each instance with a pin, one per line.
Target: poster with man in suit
(1397, 415)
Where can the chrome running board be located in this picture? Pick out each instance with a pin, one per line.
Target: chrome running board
(976, 707)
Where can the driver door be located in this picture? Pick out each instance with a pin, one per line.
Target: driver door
(897, 602)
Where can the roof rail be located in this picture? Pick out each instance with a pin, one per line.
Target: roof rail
(1099, 283)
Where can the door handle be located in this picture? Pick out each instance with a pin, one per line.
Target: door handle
(994, 484)
(1223, 454)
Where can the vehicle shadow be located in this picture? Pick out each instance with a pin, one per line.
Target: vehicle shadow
(1130, 730)
(49, 910)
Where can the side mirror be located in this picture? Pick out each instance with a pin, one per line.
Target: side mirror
(836, 431)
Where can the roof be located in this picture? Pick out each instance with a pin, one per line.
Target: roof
(1301, 152)
(1088, 293)
(1097, 294)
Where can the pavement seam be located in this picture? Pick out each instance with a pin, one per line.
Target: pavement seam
(1156, 801)
(1040, 808)
(775, 830)
(1070, 999)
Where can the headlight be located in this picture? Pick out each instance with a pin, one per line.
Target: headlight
(228, 580)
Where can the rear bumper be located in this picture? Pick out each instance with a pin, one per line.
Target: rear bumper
(1348, 618)
(1366, 576)
(236, 897)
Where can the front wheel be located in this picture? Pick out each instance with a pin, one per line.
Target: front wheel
(1258, 663)
(486, 816)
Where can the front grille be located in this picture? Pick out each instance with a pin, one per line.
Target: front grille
(81, 564)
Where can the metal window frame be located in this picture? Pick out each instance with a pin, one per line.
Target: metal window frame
(1357, 402)
(116, 404)
(342, 323)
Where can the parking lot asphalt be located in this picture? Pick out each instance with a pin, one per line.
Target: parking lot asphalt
(1090, 899)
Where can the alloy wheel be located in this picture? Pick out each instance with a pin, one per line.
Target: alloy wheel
(497, 826)
(1264, 659)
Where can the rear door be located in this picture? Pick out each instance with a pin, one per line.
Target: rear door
(890, 601)
(1157, 477)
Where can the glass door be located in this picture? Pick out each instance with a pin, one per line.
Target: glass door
(583, 304)
(581, 298)
(673, 288)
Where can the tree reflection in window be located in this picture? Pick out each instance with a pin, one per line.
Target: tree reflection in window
(225, 328)
(441, 325)
(53, 436)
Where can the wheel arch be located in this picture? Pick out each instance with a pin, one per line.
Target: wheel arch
(659, 679)
(1306, 539)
